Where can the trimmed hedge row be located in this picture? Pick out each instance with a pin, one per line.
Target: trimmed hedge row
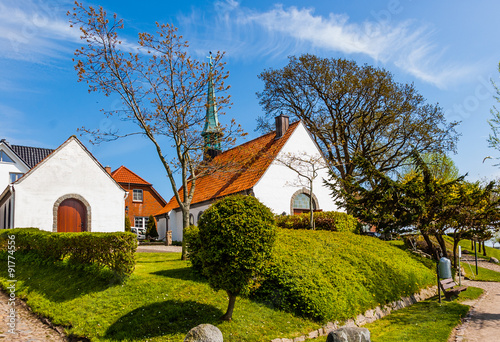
(334, 276)
(324, 220)
(113, 250)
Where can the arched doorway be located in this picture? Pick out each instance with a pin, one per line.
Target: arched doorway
(71, 216)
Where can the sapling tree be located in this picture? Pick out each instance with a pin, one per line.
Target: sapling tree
(238, 234)
(307, 167)
(163, 93)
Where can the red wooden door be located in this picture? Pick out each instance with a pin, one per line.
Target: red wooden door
(71, 216)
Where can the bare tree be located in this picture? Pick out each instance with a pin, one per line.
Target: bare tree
(307, 167)
(163, 92)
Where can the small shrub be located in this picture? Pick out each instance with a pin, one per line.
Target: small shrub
(324, 220)
(151, 228)
(127, 224)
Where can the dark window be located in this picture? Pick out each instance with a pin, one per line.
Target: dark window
(199, 216)
(191, 219)
(137, 195)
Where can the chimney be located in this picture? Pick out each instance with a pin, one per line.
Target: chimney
(281, 125)
(108, 169)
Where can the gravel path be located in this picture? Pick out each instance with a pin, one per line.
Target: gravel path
(28, 327)
(481, 263)
(482, 324)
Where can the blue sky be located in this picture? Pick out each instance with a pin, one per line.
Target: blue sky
(449, 49)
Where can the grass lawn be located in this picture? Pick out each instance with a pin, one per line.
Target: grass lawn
(161, 301)
(484, 273)
(490, 252)
(424, 321)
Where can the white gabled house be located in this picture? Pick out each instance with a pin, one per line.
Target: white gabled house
(259, 176)
(64, 190)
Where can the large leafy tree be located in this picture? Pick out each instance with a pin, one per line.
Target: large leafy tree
(163, 92)
(354, 110)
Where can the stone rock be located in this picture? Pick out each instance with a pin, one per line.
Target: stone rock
(204, 333)
(349, 334)
(494, 260)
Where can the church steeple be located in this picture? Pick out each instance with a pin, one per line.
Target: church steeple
(211, 132)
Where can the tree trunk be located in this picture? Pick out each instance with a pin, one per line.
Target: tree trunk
(311, 207)
(472, 245)
(230, 307)
(484, 250)
(185, 224)
(479, 249)
(455, 247)
(442, 244)
(429, 244)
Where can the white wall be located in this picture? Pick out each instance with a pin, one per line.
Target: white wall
(274, 188)
(70, 170)
(7, 168)
(175, 221)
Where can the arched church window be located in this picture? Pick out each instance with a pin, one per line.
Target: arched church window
(302, 201)
(191, 219)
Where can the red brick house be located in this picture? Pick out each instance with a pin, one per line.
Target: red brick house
(142, 201)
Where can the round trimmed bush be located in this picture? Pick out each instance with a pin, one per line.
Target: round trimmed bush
(237, 234)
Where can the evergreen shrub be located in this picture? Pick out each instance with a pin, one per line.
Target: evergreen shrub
(115, 251)
(324, 220)
(335, 276)
(151, 228)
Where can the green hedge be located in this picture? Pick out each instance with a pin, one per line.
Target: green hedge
(113, 250)
(324, 220)
(334, 276)
(193, 245)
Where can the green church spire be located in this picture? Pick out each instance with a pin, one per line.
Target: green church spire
(211, 132)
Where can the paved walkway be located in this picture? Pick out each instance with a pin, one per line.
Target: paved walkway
(159, 249)
(28, 327)
(482, 324)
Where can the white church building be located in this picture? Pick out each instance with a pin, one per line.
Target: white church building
(260, 175)
(61, 190)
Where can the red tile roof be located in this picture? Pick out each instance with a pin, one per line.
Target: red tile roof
(244, 166)
(124, 175)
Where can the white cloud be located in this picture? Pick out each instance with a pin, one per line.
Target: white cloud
(291, 30)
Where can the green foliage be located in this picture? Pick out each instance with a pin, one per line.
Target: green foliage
(151, 227)
(161, 301)
(484, 274)
(127, 224)
(112, 250)
(193, 245)
(334, 276)
(325, 220)
(238, 233)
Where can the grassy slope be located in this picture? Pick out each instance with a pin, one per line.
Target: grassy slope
(162, 300)
(339, 275)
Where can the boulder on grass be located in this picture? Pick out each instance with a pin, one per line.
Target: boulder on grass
(494, 260)
(204, 333)
(349, 334)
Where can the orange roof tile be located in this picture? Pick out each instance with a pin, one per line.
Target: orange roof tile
(241, 168)
(124, 175)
